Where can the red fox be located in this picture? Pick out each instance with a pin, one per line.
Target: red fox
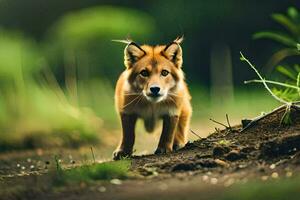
(153, 88)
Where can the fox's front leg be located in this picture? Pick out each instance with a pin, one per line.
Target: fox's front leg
(182, 129)
(128, 136)
(167, 136)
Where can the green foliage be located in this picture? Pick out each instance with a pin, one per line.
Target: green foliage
(86, 173)
(82, 27)
(290, 89)
(58, 92)
(83, 39)
(35, 111)
(289, 38)
(282, 98)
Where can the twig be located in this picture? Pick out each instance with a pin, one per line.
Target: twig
(219, 123)
(93, 155)
(228, 121)
(217, 130)
(193, 132)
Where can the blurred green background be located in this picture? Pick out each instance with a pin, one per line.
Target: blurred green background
(58, 65)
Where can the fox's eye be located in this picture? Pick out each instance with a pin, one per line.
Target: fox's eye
(164, 73)
(144, 73)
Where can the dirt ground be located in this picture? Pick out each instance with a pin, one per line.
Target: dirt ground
(204, 169)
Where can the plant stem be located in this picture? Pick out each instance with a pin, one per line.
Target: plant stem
(93, 155)
(298, 83)
(274, 83)
(263, 81)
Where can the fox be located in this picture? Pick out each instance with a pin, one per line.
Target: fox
(152, 88)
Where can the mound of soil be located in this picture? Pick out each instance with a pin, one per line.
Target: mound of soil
(263, 144)
(262, 149)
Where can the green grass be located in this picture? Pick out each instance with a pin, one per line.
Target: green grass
(59, 91)
(93, 172)
(282, 189)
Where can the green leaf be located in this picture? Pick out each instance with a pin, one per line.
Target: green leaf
(293, 13)
(297, 68)
(287, 72)
(279, 37)
(287, 23)
(298, 46)
(280, 55)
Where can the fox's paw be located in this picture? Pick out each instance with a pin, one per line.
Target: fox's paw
(177, 146)
(161, 150)
(120, 154)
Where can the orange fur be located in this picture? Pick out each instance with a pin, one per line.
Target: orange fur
(147, 68)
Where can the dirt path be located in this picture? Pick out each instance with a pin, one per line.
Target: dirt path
(204, 169)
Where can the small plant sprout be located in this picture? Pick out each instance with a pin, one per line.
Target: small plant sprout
(228, 126)
(93, 155)
(194, 133)
(58, 164)
(287, 104)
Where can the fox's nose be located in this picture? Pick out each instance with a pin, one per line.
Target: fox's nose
(154, 90)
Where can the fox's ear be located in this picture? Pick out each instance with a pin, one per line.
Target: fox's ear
(132, 54)
(173, 52)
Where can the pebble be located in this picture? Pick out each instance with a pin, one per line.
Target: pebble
(289, 174)
(275, 175)
(222, 163)
(264, 178)
(205, 178)
(102, 189)
(116, 181)
(233, 155)
(213, 181)
(273, 166)
(219, 150)
(229, 182)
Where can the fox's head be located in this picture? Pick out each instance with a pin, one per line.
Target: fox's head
(154, 71)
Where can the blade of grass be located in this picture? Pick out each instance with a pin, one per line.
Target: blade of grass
(298, 83)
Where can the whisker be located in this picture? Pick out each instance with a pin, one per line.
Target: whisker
(141, 97)
(173, 100)
(132, 94)
(131, 101)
